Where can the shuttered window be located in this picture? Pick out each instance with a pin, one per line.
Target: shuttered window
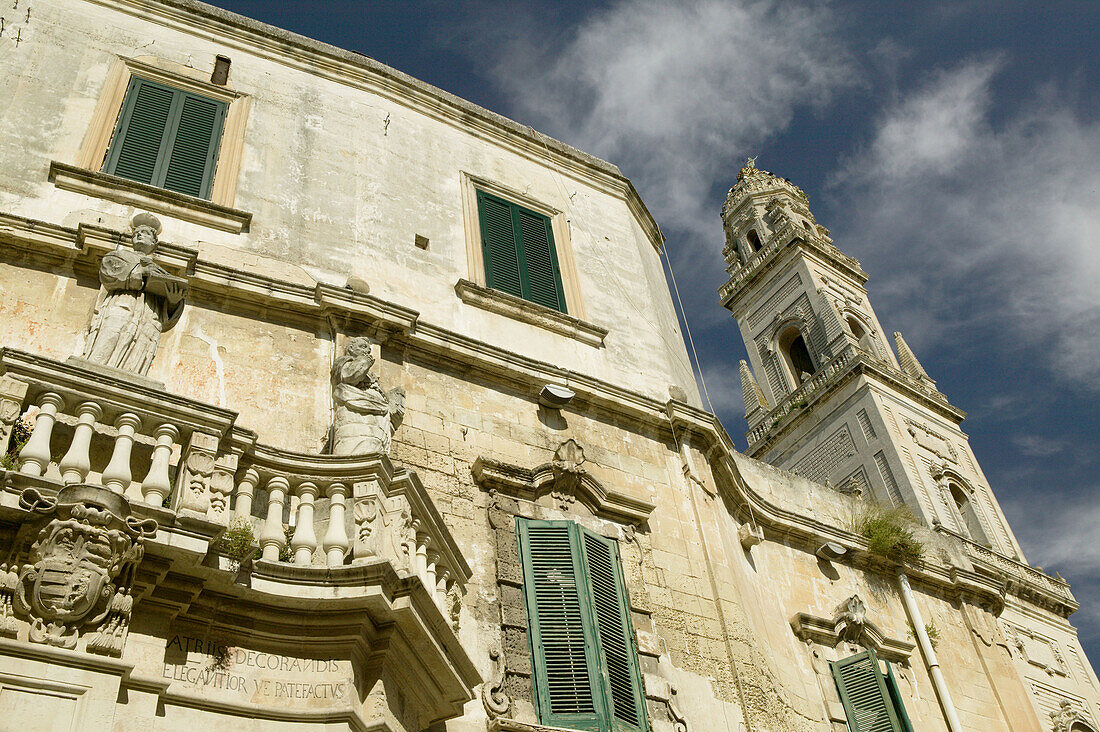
(871, 699)
(517, 245)
(586, 665)
(167, 138)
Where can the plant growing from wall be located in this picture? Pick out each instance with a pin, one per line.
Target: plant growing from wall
(889, 533)
(286, 554)
(20, 433)
(237, 543)
(930, 630)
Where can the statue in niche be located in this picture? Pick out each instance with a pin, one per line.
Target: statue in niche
(140, 300)
(366, 415)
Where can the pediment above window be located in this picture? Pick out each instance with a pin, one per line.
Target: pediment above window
(850, 624)
(563, 483)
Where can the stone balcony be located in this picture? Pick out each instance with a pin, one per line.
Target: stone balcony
(352, 567)
(848, 362)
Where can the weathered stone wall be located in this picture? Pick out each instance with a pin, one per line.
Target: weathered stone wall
(341, 174)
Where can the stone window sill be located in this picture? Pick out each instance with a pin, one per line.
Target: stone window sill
(150, 198)
(503, 303)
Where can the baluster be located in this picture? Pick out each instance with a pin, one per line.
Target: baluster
(242, 509)
(77, 462)
(421, 566)
(156, 486)
(116, 475)
(36, 453)
(304, 540)
(272, 538)
(336, 541)
(429, 573)
(441, 588)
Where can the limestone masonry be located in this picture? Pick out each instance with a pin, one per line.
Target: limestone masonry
(331, 401)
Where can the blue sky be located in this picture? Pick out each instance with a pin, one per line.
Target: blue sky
(954, 148)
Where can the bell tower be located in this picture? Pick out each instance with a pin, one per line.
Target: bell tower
(826, 396)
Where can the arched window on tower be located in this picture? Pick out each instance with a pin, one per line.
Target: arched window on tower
(797, 355)
(754, 241)
(807, 225)
(965, 507)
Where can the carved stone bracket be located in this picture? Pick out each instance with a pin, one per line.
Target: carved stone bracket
(660, 689)
(1067, 715)
(850, 623)
(496, 701)
(565, 481)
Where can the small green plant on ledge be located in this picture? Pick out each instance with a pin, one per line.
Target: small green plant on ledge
(236, 542)
(20, 433)
(286, 554)
(889, 533)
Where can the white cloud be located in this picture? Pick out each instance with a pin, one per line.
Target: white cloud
(997, 220)
(677, 91)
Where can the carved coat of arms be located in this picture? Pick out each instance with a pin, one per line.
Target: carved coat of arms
(83, 549)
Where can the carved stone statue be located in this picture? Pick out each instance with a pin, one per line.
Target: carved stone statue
(366, 416)
(82, 549)
(140, 300)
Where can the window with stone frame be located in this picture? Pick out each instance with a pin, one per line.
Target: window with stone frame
(166, 137)
(519, 253)
(582, 644)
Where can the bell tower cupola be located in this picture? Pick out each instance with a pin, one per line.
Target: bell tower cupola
(826, 396)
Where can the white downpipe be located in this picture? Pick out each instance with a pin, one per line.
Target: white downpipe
(929, 653)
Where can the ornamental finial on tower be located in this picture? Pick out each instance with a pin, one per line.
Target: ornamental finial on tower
(751, 179)
(908, 360)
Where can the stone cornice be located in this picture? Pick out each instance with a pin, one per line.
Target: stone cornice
(251, 293)
(356, 70)
(503, 303)
(528, 484)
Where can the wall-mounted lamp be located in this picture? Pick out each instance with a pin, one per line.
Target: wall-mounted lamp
(831, 550)
(555, 396)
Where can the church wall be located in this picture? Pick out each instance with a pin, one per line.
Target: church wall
(340, 179)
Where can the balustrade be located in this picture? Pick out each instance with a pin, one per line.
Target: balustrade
(162, 450)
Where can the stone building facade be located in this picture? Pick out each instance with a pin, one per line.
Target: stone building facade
(332, 401)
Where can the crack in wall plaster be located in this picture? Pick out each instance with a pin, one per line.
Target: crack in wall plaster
(219, 367)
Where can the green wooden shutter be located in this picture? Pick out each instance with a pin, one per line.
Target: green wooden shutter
(142, 132)
(864, 695)
(194, 146)
(616, 636)
(582, 644)
(543, 285)
(895, 697)
(517, 245)
(498, 245)
(167, 137)
(561, 641)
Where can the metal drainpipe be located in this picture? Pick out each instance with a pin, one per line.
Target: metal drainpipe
(929, 653)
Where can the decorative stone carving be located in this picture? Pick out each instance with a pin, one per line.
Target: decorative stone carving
(366, 416)
(1067, 715)
(568, 468)
(496, 702)
(850, 624)
(140, 300)
(850, 619)
(79, 567)
(383, 525)
(198, 467)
